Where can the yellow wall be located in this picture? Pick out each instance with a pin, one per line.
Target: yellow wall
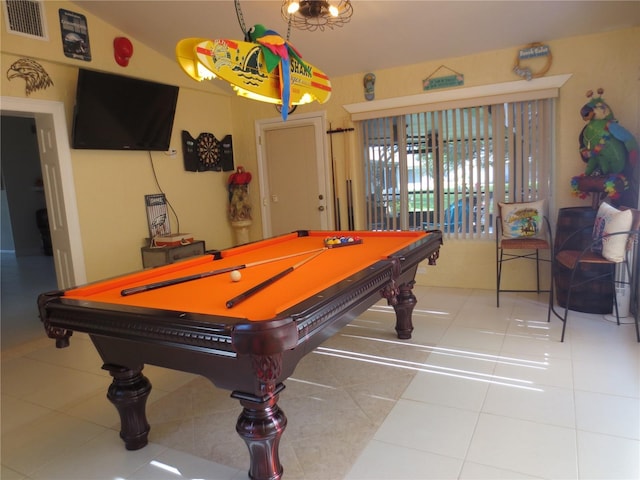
(111, 185)
(610, 60)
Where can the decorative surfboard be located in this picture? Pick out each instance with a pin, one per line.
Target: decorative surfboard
(242, 65)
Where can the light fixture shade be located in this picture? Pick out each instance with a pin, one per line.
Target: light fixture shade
(316, 14)
(242, 65)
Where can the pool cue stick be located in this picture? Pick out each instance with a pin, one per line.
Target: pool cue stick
(336, 206)
(197, 276)
(347, 174)
(336, 198)
(350, 217)
(261, 286)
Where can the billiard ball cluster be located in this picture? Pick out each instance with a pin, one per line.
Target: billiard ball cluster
(341, 241)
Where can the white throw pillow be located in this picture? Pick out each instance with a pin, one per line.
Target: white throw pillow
(610, 220)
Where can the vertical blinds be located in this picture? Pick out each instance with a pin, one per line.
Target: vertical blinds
(447, 169)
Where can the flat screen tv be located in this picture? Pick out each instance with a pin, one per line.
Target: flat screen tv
(114, 112)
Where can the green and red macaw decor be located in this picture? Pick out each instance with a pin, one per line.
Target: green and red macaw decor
(610, 152)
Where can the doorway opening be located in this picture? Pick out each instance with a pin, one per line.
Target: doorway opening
(58, 184)
(23, 278)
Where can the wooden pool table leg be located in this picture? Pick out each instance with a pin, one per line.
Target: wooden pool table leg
(261, 425)
(404, 310)
(403, 301)
(129, 392)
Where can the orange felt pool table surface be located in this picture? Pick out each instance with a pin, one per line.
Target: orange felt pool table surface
(209, 295)
(251, 348)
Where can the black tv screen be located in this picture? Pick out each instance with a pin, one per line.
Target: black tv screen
(114, 112)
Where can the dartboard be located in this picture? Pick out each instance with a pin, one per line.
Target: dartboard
(208, 150)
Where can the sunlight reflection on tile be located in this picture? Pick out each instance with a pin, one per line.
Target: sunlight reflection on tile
(478, 392)
(429, 368)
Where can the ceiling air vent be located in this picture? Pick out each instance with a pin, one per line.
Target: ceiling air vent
(26, 17)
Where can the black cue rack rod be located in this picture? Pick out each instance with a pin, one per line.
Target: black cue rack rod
(336, 199)
(339, 130)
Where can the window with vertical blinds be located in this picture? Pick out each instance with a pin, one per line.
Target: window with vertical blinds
(447, 169)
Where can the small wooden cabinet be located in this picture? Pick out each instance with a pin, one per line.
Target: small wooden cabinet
(157, 256)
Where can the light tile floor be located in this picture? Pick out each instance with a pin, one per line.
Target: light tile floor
(478, 393)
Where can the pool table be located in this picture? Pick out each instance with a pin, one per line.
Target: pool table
(178, 316)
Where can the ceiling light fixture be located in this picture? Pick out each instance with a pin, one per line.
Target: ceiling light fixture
(316, 14)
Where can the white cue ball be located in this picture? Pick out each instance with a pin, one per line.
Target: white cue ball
(236, 276)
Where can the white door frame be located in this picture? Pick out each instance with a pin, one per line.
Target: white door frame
(31, 108)
(319, 122)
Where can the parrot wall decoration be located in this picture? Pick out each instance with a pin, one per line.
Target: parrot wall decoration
(277, 52)
(606, 146)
